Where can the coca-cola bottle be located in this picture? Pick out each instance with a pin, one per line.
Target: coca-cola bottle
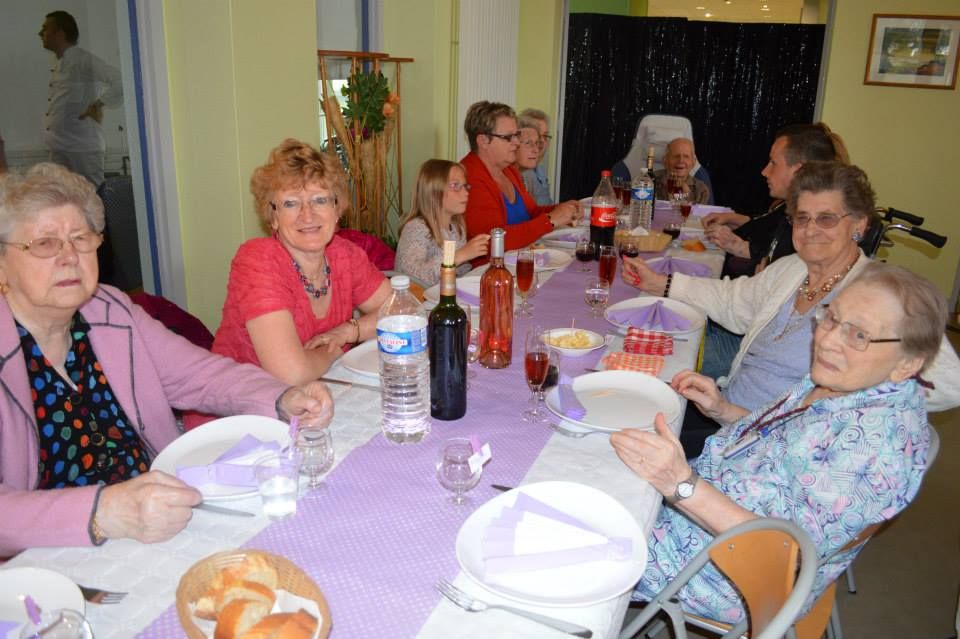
(496, 308)
(603, 213)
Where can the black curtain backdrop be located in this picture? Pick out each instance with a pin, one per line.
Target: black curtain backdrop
(737, 83)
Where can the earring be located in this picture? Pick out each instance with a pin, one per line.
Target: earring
(857, 236)
(4, 288)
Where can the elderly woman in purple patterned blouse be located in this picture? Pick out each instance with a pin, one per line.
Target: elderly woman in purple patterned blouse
(841, 450)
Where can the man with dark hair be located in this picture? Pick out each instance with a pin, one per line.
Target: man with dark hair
(81, 84)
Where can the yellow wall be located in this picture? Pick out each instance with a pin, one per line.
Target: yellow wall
(242, 78)
(907, 140)
(424, 30)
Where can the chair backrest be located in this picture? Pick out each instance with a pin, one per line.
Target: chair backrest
(656, 130)
(382, 256)
(123, 247)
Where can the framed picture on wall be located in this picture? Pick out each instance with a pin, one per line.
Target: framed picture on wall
(913, 51)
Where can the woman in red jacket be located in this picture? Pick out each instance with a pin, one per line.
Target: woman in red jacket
(497, 196)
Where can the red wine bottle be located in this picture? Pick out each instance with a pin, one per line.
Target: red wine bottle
(447, 334)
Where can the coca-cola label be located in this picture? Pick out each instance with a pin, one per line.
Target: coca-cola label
(642, 193)
(603, 216)
(402, 343)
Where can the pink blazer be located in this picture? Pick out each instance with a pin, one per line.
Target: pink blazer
(150, 370)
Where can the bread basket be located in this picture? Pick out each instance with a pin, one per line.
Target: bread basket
(654, 242)
(195, 581)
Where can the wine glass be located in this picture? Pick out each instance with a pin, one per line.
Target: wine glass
(586, 251)
(525, 269)
(607, 268)
(673, 230)
(536, 364)
(63, 623)
(596, 294)
(453, 468)
(473, 348)
(629, 247)
(316, 449)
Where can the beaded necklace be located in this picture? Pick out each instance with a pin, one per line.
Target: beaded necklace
(308, 286)
(826, 287)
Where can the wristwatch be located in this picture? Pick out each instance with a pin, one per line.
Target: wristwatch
(685, 488)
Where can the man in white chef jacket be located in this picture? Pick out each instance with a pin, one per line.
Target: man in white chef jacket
(81, 84)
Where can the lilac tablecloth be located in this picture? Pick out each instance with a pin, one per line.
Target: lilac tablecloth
(380, 531)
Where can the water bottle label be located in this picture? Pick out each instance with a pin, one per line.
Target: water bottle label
(402, 343)
(642, 193)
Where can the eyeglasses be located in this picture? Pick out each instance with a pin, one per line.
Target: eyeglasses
(531, 144)
(458, 186)
(546, 137)
(853, 336)
(506, 137)
(316, 203)
(825, 221)
(44, 247)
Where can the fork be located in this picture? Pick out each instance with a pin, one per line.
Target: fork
(472, 604)
(566, 432)
(100, 596)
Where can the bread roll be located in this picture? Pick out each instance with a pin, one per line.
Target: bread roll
(254, 568)
(284, 625)
(238, 616)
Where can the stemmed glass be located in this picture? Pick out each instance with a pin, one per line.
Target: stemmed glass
(453, 468)
(586, 251)
(62, 623)
(525, 270)
(473, 348)
(537, 361)
(596, 294)
(316, 449)
(673, 230)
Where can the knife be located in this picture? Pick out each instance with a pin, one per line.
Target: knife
(223, 511)
(346, 383)
(501, 487)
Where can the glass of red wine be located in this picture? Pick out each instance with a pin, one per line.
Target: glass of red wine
(537, 362)
(607, 268)
(673, 230)
(525, 277)
(585, 252)
(629, 246)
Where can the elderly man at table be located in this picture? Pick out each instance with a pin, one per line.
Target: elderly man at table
(497, 196)
(844, 448)
(679, 159)
(535, 179)
(828, 206)
(89, 380)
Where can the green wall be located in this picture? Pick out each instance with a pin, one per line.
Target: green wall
(242, 77)
(906, 139)
(615, 7)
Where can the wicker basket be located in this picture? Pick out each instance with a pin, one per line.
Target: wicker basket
(652, 243)
(194, 582)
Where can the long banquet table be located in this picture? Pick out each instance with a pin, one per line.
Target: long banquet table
(380, 531)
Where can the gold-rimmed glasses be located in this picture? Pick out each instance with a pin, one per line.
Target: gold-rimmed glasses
(316, 203)
(44, 247)
(825, 221)
(853, 336)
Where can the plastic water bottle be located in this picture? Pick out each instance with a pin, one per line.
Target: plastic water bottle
(404, 367)
(642, 194)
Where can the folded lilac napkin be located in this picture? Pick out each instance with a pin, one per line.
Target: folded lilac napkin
(539, 259)
(653, 316)
(668, 265)
(232, 468)
(570, 406)
(7, 628)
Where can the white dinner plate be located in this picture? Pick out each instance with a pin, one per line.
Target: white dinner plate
(569, 586)
(49, 589)
(363, 359)
(553, 259)
(695, 316)
(619, 399)
(565, 238)
(204, 444)
(596, 341)
(468, 284)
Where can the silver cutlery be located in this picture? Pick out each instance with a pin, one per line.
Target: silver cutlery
(100, 596)
(220, 510)
(341, 382)
(574, 434)
(472, 604)
(501, 487)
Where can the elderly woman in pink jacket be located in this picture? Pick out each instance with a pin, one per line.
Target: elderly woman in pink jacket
(88, 379)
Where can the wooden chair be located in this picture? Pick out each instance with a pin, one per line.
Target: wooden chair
(760, 557)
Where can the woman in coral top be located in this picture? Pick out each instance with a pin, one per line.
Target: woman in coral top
(291, 297)
(497, 196)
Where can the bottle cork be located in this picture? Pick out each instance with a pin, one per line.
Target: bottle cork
(449, 251)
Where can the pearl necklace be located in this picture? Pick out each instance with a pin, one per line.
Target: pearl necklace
(308, 286)
(826, 287)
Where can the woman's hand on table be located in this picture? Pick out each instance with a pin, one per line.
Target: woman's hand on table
(729, 241)
(637, 274)
(728, 219)
(656, 457)
(335, 339)
(566, 213)
(477, 246)
(703, 391)
(150, 508)
(310, 403)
